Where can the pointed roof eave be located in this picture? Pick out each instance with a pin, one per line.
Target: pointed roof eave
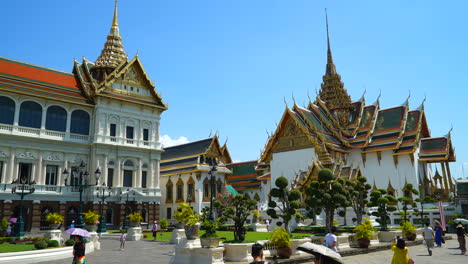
(377, 101)
(270, 144)
(421, 107)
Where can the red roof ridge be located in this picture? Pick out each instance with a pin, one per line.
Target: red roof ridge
(36, 66)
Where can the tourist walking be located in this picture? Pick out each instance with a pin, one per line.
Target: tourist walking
(461, 238)
(438, 233)
(428, 234)
(155, 229)
(8, 230)
(267, 222)
(79, 250)
(122, 240)
(331, 240)
(400, 251)
(257, 254)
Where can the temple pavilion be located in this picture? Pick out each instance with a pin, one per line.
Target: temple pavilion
(390, 146)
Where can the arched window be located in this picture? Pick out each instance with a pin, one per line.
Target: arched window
(44, 224)
(109, 216)
(180, 191)
(190, 190)
(30, 114)
(206, 190)
(169, 186)
(7, 110)
(56, 118)
(219, 186)
(79, 122)
(143, 215)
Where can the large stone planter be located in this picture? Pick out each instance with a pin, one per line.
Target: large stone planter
(297, 242)
(209, 242)
(91, 228)
(134, 234)
(191, 232)
(388, 236)
(238, 252)
(257, 227)
(55, 234)
(177, 236)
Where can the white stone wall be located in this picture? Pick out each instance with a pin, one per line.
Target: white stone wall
(288, 164)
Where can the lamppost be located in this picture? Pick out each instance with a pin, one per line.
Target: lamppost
(21, 188)
(126, 223)
(103, 197)
(80, 180)
(212, 162)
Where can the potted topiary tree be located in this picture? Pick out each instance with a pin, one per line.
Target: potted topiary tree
(209, 239)
(91, 219)
(163, 224)
(364, 233)
(280, 237)
(54, 220)
(135, 219)
(408, 230)
(186, 215)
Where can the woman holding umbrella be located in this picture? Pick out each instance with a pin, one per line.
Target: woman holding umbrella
(80, 246)
(79, 250)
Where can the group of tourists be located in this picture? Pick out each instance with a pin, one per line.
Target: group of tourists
(433, 237)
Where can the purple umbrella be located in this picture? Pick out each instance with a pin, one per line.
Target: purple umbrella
(77, 232)
(13, 220)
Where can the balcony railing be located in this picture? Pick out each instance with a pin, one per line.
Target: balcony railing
(128, 141)
(42, 133)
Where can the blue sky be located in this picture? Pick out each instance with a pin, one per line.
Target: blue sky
(227, 65)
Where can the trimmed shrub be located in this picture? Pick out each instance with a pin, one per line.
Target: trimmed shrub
(69, 242)
(9, 239)
(53, 243)
(41, 244)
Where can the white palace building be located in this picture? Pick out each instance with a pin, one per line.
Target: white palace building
(104, 115)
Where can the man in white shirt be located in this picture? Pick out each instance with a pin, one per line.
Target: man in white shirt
(330, 239)
(428, 234)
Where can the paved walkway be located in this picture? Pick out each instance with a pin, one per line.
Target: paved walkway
(447, 254)
(137, 252)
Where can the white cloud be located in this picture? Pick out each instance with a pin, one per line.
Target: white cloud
(236, 161)
(167, 141)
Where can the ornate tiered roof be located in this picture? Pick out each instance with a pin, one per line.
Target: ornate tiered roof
(244, 176)
(193, 156)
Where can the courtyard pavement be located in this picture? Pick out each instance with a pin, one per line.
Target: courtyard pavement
(137, 252)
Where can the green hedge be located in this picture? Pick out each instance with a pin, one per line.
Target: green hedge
(40, 244)
(53, 243)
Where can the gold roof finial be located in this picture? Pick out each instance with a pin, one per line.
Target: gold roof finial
(329, 54)
(113, 53)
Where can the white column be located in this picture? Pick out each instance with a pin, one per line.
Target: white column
(40, 180)
(17, 112)
(33, 173)
(150, 175)
(11, 167)
(4, 174)
(43, 121)
(156, 173)
(117, 173)
(59, 175)
(139, 171)
(62, 176)
(68, 121)
(105, 171)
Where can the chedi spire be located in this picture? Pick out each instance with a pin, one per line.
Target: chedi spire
(332, 90)
(113, 53)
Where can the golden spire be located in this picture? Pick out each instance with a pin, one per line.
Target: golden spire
(113, 53)
(332, 90)
(331, 69)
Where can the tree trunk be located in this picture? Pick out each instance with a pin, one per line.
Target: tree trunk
(344, 216)
(314, 219)
(329, 219)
